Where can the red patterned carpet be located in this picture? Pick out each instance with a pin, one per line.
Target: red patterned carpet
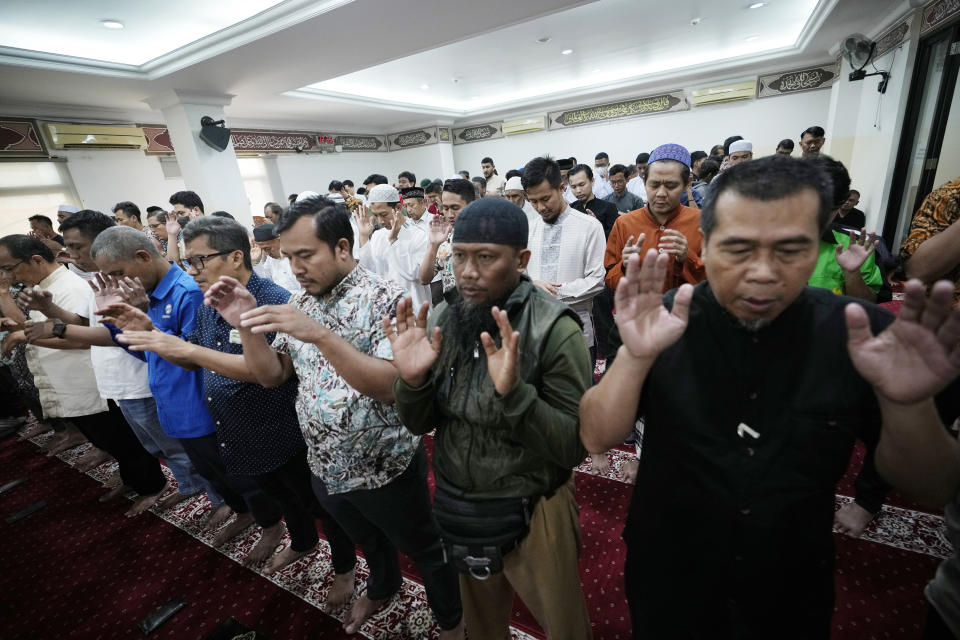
(78, 569)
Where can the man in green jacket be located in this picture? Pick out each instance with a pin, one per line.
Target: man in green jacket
(505, 414)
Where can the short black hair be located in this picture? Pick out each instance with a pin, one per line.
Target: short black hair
(129, 209)
(223, 214)
(786, 143)
(696, 155)
(348, 183)
(601, 156)
(716, 149)
(480, 180)
(618, 168)
(361, 191)
(331, 221)
(335, 185)
(729, 141)
(223, 234)
(464, 173)
(642, 158)
(89, 223)
(153, 209)
(581, 167)
(539, 170)
(275, 208)
(853, 191)
(838, 175)
(188, 199)
(487, 160)
(463, 188)
(22, 247)
(409, 176)
(433, 187)
(709, 169)
(815, 131)
(42, 219)
(513, 173)
(376, 179)
(292, 197)
(766, 179)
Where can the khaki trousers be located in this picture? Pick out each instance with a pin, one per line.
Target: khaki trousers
(542, 571)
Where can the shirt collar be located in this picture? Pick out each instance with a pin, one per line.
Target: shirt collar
(783, 324)
(55, 275)
(350, 281)
(166, 283)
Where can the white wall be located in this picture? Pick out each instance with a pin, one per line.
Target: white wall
(104, 177)
(764, 122)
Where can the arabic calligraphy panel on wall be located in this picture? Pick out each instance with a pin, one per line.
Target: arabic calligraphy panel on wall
(478, 132)
(892, 38)
(415, 138)
(349, 142)
(937, 13)
(645, 106)
(779, 84)
(19, 138)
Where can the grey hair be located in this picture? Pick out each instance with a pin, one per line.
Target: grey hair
(118, 244)
(223, 234)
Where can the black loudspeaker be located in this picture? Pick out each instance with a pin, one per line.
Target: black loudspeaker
(214, 133)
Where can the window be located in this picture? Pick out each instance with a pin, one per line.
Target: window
(255, 183)
(29, 188)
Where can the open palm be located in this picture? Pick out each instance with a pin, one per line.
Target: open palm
(916, 356)
(413, 352)
(106, 290)
(646, 326)
(853, 257)
(230, 298)
(439, 230)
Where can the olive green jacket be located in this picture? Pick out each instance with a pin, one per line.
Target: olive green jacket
(523, 443)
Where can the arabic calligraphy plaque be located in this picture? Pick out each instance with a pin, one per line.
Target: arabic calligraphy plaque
(778, 84)
(645, 106)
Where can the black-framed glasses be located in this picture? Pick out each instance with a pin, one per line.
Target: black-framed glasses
(10, 267)
(200, 262)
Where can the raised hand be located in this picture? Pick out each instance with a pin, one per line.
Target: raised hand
(173, 227)
(364, 223)
(632, 248)
(674, 243)
(917, 355)
(285, 318)
(106, 290)
(126, 317)
(502, 362)
(646, 327)
(31, 299)
(230, 298)
(413, 352)
(861, 246)
(163, 344)
(439, 231)
(133, 293)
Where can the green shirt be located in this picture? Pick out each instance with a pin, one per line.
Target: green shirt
(829, 275)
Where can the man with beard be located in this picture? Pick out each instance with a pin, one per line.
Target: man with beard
(493, 183)
(368, 471)
(505, 413)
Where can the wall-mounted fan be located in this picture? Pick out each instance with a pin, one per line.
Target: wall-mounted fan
(858, 50)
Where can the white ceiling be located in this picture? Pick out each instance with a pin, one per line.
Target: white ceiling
(381, 51)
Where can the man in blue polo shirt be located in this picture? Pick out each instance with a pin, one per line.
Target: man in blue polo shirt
(174, 299)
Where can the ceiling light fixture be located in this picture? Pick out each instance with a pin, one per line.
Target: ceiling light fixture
(751, 38)
(424, 86)
(111, 24)
(757, 5)
(566, 52)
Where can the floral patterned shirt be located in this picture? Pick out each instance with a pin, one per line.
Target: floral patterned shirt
(353, 441)
(939, 210)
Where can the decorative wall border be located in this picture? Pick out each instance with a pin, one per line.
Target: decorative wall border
(259, 141)
(631, 108)
(798, 80)
(893, 37)
(478, 132)
(413, 138)
(360, 142)
(19, 138)
(937, 13)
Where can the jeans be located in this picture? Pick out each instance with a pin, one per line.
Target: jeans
(141, 414)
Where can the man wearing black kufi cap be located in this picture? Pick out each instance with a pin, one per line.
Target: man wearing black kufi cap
(499, 373)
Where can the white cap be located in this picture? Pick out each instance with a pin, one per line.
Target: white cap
(741, 145)
(67, 208)
(514, 184)
(383, 193)
(303, 195)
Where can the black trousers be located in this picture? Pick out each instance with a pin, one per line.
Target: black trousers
(603, 322)
(870, 490)
(934, 628)
(110, 432)
(397, 516)
(290, 485)
(241, 493)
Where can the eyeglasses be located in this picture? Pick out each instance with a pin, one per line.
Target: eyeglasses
(199, 262)
(8, 268)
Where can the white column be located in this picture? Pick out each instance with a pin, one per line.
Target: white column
(213, 175)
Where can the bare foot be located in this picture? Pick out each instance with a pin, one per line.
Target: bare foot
(170, 500)
(113, 480)
(456, 633)
(852, 519)
(599, 464)
(628, 472)
(266, 545)
(232, 530)
(284, 559)
(220, 515)
(362, 609)
(341, 591)
(114, 493)
(143, 503)
(91, 459)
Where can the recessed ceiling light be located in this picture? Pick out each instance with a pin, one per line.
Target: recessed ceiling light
(543, 39)
(424, 86)
(566, 52)
(112, 24)
(757, 5)
(751, 38)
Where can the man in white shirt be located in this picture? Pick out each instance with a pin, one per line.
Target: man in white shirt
(396, 249)
(636, 185)
(495, 183)
(415, 204)
(63, 371)
(566, 246)
(601, 168)
(273, 264)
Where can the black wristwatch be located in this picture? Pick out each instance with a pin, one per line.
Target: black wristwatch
(59, 328)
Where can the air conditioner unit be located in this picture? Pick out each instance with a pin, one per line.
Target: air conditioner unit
(524, 125)
(723, 93)
(94, 136)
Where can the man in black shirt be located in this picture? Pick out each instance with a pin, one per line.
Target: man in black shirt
(580, 180)
(848, 215)
(753, 388)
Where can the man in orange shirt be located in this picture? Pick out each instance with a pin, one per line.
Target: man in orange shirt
(664, 224)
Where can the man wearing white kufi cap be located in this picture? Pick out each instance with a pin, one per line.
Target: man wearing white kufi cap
(740, 151)
(513, 191)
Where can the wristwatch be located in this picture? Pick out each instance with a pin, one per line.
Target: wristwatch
(59, 328)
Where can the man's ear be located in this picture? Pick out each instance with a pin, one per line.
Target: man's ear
(523, 257)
